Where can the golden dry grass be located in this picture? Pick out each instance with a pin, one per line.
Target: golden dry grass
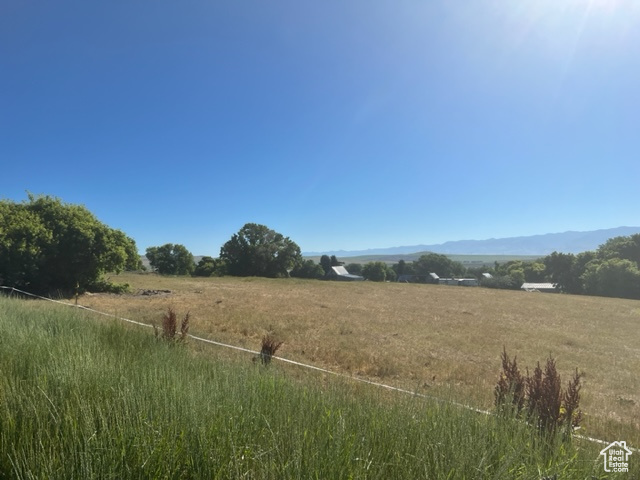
(434, 339)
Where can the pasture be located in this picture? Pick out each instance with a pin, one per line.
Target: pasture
(85, 396)
(436, 340)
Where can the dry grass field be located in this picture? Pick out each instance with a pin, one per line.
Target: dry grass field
(437, 340)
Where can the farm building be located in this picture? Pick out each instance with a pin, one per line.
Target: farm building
(415, 278)
(435, 279)
(340, 273)
(540, 287)
(463, 282)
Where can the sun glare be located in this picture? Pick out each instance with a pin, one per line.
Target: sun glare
(609, 4)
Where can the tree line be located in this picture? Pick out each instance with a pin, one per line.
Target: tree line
(612, 270)
(47, 245)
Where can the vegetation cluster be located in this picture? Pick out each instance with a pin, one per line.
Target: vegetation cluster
(613, 270)
(50, 246)
(538, 397)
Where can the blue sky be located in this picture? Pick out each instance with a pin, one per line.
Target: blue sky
(341, 124)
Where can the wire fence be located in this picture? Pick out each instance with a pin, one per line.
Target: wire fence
(12, 290)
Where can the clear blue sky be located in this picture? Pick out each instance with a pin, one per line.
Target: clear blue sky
(341, 124)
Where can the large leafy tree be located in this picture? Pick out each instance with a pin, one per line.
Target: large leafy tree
(354, 268)
(256, 250)
(558, 267)
(375, 271)
(442, 265)
(615, 277)
(209, 267)
(614, 269)
(170, 259)
(325, 263)
(308, 269)
(403, 268)
(47, 245)
(626, 248)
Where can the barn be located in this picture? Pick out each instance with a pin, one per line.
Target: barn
(340, 273)
(540, 287)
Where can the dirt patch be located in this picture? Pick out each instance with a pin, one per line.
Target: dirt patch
(148, 293)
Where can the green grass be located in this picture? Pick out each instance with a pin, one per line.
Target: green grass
(81, 397)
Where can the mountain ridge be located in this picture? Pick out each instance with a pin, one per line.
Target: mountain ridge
(542, 244)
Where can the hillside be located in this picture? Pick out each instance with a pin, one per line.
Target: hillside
(536, 245)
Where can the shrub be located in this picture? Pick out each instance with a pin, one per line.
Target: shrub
(269, 348)
(541, 395)
(106, 286)
(510, 390)
(307, 269)
(507, 282)
(170, 327)
(544, 397)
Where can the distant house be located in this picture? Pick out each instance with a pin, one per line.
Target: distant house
(463, 282)
(404, 278)
(412, 278)
(340, 273)
(435, 279)
(540, 287)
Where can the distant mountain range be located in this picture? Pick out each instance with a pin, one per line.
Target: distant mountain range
(566, 242)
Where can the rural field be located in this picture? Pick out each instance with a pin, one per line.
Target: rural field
(436, 340)
(90, 397)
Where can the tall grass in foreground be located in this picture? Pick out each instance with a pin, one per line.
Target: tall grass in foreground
(81, 398)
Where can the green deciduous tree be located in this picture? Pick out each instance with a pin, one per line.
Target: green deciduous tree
(170, 259)
(308, 269)
(325, 262)
(209, 267)
(534, 271)
(625, 248)
(375, 271)
(558, 268)
(403, 268)
(579, 267)
(256, 250)
(47, 245)
(391, 275)
(441, 265)
(612, 278)
(354, 268)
